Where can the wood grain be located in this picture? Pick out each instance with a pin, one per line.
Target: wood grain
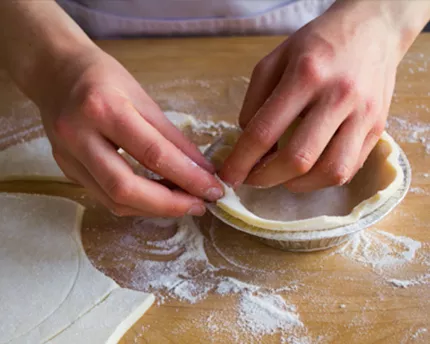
(208, 78)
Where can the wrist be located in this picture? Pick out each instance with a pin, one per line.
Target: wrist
(399, 21)
(42, 46)
(54, 72)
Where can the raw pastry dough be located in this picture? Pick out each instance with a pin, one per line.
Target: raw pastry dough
(49, 290)
(280, 210)
(30, 160)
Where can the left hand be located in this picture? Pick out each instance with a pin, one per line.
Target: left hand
(337, 73)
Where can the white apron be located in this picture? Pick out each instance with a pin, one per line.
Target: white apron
(133, 18)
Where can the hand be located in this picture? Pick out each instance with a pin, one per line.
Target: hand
(338, 74)
(101, 108)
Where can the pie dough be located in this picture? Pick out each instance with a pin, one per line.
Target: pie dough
(278, 209)
(30, 160)
(49, 290)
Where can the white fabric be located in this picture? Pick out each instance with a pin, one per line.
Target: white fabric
(115, 18)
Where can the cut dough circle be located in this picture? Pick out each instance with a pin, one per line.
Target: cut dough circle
(50, 292)
(278, 209)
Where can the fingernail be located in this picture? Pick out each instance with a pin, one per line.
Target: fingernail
(213, 194)
(197, 210)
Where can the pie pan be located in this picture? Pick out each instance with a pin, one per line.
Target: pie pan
(307, 240)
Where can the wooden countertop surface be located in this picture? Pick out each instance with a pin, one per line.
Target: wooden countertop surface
(339, 300)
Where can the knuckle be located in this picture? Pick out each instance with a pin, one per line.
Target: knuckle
(309, 69)
(371, 106)
(261, 132)
(153, 156)
(339, 174)
(119, 190)
(302, 161)
(93, 105)
(346, 87)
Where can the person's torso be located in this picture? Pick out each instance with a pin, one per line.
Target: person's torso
(125, 18)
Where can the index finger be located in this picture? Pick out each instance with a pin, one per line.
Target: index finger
(263, 131)
(128, 129)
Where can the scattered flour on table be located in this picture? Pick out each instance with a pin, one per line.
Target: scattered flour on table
(263, 314)
(417, 190)
(379, 249)
(190, 276)
(424, 279)
(385, 253)
(419, 332)
(408, 131)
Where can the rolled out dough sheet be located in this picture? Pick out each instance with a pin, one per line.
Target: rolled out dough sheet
(49, 290)
(30, 160)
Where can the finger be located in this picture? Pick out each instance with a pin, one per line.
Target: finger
(307, 143)
(285, 103)
(370, 142)
(135, 135)
(118, 181)
(137, 100)
(74, 169)
(265, 76)
(336, 165)
(159, 121)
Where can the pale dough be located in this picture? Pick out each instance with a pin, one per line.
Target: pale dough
(280, 210)
(30, 160)
(49, 290)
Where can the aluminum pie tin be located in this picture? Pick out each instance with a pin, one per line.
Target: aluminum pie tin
(314, 240)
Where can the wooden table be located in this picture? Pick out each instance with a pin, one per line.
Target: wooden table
(338, 300)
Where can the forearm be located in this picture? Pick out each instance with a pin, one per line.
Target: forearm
(40, 44)
(404, 18)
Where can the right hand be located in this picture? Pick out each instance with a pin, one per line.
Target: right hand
(97, 107)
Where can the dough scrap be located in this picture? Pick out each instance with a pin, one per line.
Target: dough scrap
(278, 209)
(50, 292)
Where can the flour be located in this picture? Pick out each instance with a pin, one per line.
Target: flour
(265, 314)
(411, 132)
(424, 279)
(180, 269)
(380, 250)
(419, 332)
(418, 191)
